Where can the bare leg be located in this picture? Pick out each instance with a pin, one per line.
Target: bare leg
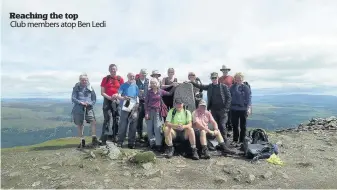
(203, 140)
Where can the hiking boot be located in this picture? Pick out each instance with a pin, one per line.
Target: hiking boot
(120, 145)
(94, 141)
(110, 138)
(159, 148)
(204, 152)
(170, 152)
(82, 144)
(131, 146)
(225, 150)
(195, 155)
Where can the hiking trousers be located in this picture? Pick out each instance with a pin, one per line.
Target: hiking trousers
(141, 115)
(154, 128)
(126, 121)
(229, 124)
(221, 117)
(110, 110)
(239, 115)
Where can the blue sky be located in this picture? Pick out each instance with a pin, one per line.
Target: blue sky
(289, 44)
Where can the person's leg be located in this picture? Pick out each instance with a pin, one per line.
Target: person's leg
(224, 149)
(189, 134)
(150, 128)
(141, 116)
(243, 126)
(235, 122)
(229, 124)
(90, 117)
(123, 127)
(157, 130)
(170, 134)
(203, 141)
(115, 114)
(78, 120)
(106, 114)
(222, 124)
(132, 131)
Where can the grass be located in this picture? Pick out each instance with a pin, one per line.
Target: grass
(49, 145)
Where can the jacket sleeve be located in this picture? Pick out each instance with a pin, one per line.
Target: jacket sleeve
(146, 104)
(93, 97)
(228, 98)
(249, 96)
(74, 97)
(200, 86)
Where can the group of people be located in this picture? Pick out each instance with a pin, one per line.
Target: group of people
(127, 103)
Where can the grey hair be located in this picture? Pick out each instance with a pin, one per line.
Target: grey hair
(156, 81)
(83, 75)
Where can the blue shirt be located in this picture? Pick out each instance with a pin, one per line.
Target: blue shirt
(130, 90)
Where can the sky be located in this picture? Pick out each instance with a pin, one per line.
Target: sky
(280, 45)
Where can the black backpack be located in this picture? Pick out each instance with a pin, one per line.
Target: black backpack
(257, 146)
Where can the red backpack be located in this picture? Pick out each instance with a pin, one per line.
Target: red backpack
(137, 76)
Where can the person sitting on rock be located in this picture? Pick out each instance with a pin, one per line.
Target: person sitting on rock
(179, 125)
(84, 98)
(240, 108)
(128, 95)
(201, 118)
(196, 91)
(153, 103)
(167, 84)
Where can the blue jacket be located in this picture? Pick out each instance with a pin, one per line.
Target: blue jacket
(241, 97)
(83, 94)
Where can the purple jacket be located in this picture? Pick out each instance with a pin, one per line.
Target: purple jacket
(153, 101)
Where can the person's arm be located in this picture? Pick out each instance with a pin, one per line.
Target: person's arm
(200, 86)
(165, 93)
(93, 97)
(163, 84)
(146, 103)
(200, 90)
(74, 97)
(120, 92)
(248, 97)
(197, 122)
(228, 98)
(103, 89)
(189, 120)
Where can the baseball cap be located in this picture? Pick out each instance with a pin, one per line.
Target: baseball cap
(202, 103)
(214, 75)
(178, 101)
(143, 71)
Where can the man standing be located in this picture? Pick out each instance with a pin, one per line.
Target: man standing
(128, 94)
(218, 101)
(84, 98)
(229, 81)
(143, 86)
(109, 87)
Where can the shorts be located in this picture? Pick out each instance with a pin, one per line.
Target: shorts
(179, 135)
(89, 117)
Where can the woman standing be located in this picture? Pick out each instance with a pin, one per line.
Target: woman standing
(167, 84)
(240, 107)
(153, 104)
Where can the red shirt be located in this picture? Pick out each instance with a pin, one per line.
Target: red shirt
(111, 86)
(227, 80)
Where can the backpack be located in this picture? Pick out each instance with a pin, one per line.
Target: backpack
(257, 146)
(108, 77)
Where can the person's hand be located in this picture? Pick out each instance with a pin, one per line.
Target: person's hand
(109, 97)
(126, 98)
(186, 81)
(83, 103)
(175, 84)
(211, 132)
(147, 116)
(215, 131)
(180, 128)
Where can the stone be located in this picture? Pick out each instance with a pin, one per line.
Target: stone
(154, 173)
(236, 187)
(285, 176)
(92, 154)
(250, 178)
(237, 178)
(45, 167)
(58, 154)
(126, 174)
(113, 151)
(15, 174)
(37, 183)
(97, 169)
(143, 157)
(147, 166)
(220, 180)
(181, 166)
(185, 92)
(228, 170)
(220, 163)
(107, 180)
(267, 175)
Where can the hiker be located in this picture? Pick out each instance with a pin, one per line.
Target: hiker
(201, 118)
(143, 85)
(218, 101)
(157, 75)
(167, 84)
(196, 91)
(240, 108)
(109, 87)
(178, 126)
(129, 101)
(154, 120)
(229, 81)
(84, 98)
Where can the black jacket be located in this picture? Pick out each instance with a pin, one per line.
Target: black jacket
(224, 91)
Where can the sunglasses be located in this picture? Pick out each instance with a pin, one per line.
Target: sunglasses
(191, 75)
(213, 78)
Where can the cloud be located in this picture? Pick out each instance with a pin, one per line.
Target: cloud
(276, 44)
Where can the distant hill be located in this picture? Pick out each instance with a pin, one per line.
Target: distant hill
(35, 120)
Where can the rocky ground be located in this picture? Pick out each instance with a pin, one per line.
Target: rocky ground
(310, 159)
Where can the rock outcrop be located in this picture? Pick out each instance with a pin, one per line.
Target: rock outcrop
(315, 124)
